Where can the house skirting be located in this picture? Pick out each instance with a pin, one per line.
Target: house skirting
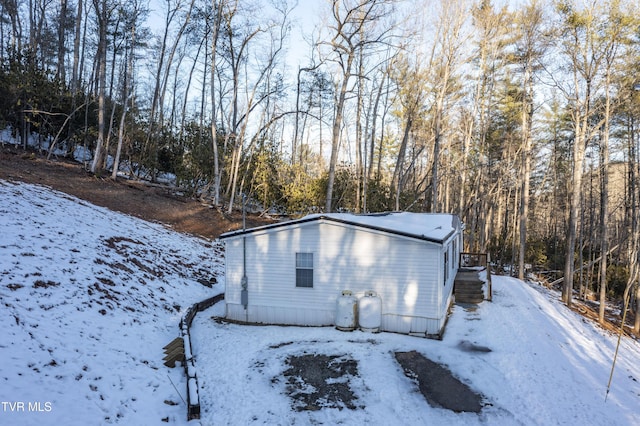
(325, 317)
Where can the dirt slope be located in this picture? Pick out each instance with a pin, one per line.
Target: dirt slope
(151, 202)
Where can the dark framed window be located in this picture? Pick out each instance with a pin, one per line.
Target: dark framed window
(446, 266)
(304, 269)
(455, 252)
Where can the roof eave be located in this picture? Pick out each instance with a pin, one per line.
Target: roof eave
(241, 232)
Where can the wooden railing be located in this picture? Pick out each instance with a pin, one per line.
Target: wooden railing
(473, 260)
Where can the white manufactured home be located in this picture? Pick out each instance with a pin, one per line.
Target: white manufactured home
(295, 272)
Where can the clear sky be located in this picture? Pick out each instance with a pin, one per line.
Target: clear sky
(306, 15)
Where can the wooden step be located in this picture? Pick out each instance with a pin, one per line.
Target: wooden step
(469, 300)
(472, 294)
(468, 288)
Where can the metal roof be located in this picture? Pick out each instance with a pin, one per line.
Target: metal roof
(434, 227)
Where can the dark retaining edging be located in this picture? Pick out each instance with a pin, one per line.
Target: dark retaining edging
(193, 400)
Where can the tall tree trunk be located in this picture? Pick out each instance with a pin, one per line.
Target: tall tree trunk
(374, 122)
(359, 138)
(634, 260)
(584, 59)
(112, 78)
(435, 178)
(101, 12)
(128, 77)
(398, 173)
(75, 77)
(604, 220)
(527, 113)
(294, 142)
(579, 146)
(214, 125)
(185, 100)
(604, 203)
(335, 133)
(60, 71)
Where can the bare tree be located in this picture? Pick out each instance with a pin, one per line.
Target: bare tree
(62, 21)
(411, 95)
(583, 61)
(215, 33)
(12, 8)
(491, 26)
(615, 32)
(382, 84)
(177, 11)
(136, 13)
(249, 91)
(75, 77)
(530, 47)
(102, 9)
(445, 58)
(352, 28)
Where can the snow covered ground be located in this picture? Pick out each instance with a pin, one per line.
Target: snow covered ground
(89, 298)
(546, 366)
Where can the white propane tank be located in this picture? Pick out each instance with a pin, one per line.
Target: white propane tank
(370, 312)
(346, 312)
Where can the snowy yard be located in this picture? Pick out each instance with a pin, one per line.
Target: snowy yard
(546, 366)
(89, 298)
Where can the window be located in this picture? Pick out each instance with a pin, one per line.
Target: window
(455, 251)
(446, 266)
(304, 269)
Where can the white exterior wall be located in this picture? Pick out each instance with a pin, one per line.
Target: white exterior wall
(406, 273)
(452, 247)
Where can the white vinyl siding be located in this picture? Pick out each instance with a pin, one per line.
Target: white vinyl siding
(403, 271)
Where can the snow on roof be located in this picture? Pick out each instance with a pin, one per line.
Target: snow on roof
(427, 226)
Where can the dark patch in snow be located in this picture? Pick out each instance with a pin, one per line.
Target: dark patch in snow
(114, 241)
(106, 281)
(45, 284)
(367, 341)
(121, 267)
(106, 294)
(321, 381)
(467, 346)
(280, 345)
(438, 385)
(210, 282)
